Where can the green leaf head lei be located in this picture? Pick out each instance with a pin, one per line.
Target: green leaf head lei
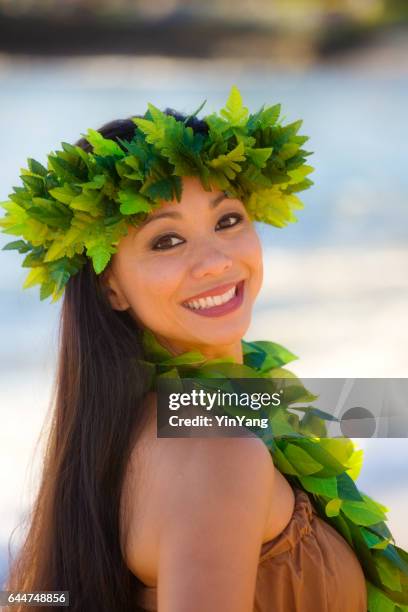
(80, 205)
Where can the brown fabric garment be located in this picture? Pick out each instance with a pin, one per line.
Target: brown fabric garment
(309, 567)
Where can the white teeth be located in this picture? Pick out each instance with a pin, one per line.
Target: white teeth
(214, 300)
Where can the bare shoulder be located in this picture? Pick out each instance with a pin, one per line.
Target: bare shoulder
(187, 468)
(171, 480)
(179, 456)
(213, 498)
(223, 468)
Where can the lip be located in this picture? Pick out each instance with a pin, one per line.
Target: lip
(215, 291)
(222, 309)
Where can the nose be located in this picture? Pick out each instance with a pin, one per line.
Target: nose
(210, 261)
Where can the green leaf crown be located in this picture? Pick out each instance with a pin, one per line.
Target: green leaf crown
(80, 205)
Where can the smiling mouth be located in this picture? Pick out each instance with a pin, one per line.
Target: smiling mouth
(217, 305)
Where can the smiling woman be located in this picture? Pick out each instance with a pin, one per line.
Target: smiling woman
(210, 248)
(145, 227)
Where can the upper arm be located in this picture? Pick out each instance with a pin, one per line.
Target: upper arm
(214, 510)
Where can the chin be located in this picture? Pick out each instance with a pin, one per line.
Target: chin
(223, 337)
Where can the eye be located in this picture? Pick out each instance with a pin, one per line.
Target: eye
(165, 239)
(231, 216)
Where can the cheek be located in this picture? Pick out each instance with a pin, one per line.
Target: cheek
(252, 258)
(152, 282)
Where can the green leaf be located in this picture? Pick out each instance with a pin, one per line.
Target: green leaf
(35, 277)
(378, 601)
(234, 111)
(266, 354)
(97, 182)
(283, 464)
(36, 167)
(182, 146)
(294, 392)
(268, 116)
(154, 125)
(272, 206)
(100, 256)
(157, 188)
(389, 573)
(101, 145)
(347, 488)
(19, 245)
(35, 184)
(361, 513)
(130, 167)
(229, 163)
(34, 258)
(299, 174)
(321, 414)
(382, 530)
(65, 194)
(88, 202)
(82, 227)
(173, 373)
(288, 151)
(280, 425)
(48, 212)
(398, 556)
(322, 486)
(332, 467)
(225, 369)
(46, 289)
(355, 464)
(132, 202)
(342, 526)
(61, 270)
(188, 357)
(259, 156)
(301, 460)
(373, 540)
(64, 170)
(340, 448)
(153, 350)
(333, 507)
(312, 425)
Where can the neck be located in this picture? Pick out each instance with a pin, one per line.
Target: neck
(208, 350)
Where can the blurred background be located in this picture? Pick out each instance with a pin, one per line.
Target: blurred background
(336, 283)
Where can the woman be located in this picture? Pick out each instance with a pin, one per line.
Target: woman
(209, 505)
(125, 520)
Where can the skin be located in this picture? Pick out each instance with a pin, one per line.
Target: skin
(203, 499)
(202, 254)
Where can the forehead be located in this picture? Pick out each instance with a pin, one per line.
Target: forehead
(173, 212)
(193, 188)
(193, 193)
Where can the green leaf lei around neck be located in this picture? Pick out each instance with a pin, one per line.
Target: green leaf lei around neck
(81, 204)
(326, 468)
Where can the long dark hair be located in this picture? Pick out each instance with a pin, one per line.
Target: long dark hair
(72, 541)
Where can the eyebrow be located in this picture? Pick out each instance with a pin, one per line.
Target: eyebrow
(176, 215)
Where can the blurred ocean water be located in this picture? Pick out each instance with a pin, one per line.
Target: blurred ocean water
(336, 284)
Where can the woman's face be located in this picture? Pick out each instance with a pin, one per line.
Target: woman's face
(184, 249)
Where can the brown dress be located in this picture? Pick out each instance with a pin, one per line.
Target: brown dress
(308, 567)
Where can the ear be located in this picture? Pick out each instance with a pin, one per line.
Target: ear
(112, 290)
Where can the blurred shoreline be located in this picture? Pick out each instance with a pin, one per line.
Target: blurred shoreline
(384, 56)
(331, 36)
